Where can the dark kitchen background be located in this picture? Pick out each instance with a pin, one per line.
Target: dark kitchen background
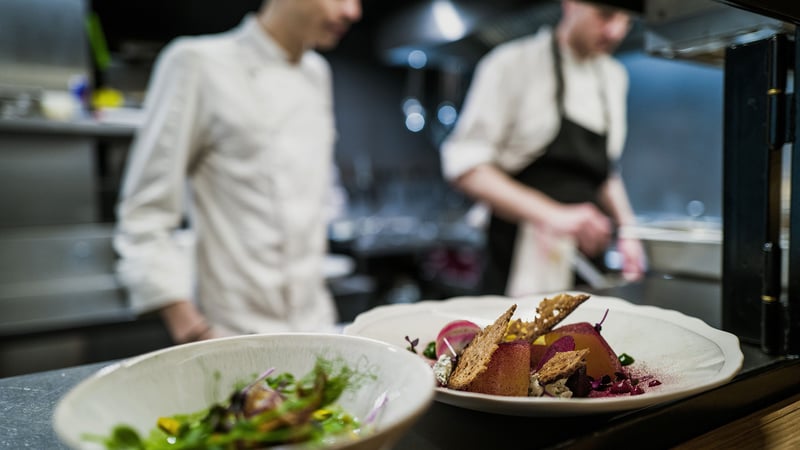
(404, 234)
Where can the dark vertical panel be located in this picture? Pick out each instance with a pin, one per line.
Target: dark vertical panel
(772, 323)
(793, 338)
(744, 187)
(756, 124)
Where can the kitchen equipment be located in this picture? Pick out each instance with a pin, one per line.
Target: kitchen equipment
(761, 63)
(589, 272)
(759, 121)
(43, 43)
(687, 247)
(701, 30)
(458, 33)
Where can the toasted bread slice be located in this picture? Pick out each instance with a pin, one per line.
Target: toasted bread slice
(479, 352)
(549, 313)
(562, 365)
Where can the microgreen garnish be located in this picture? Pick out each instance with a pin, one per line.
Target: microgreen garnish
(412, 344)
(626, 359)
(599, 326)
(430, 350)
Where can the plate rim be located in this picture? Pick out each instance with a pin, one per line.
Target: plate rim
(728, 344)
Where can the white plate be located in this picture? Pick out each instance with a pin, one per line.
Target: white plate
(684, 353)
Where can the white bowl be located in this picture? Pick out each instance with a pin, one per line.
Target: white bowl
(191, 377)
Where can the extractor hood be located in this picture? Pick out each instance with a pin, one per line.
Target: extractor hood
(448, 32)
(702, 29)
(456, 33)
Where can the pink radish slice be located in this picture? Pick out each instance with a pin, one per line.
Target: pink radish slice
(455, 336)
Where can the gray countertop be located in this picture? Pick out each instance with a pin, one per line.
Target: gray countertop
(78, 127)
(27, 401)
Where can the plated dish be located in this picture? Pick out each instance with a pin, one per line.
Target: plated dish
(686, 354)
(188, 378)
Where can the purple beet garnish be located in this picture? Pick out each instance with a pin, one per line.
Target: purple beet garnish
(562, 344)
(579, 383)
(621, 387)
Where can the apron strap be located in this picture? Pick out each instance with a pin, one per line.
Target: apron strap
(559, 73)
(559, 93)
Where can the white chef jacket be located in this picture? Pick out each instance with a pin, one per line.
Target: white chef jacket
(254, 136)
(509, 117)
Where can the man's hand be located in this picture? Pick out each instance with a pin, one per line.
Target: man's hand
(584, 222)
(186, 323)
(634, 260)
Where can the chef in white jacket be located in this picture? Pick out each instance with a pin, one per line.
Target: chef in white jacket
(239, 132)
(541, 129)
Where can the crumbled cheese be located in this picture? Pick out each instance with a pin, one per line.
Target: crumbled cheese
(534, 388)
(442, 369)
(558, 389)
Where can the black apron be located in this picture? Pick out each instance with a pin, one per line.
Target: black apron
(571, 170)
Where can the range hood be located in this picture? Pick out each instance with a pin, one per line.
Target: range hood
(701, 30)
(456, 33)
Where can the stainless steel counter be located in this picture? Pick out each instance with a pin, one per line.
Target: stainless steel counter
(79, 127)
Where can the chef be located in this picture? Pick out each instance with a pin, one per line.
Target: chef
(541, 130)
(241, 125)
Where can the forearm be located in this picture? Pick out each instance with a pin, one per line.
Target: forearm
(614, 198)
(583, 222)
(185, 322)
(508, 198)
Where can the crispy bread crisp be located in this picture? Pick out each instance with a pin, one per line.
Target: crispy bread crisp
(562, 365)
(479, 352)
(549, 313)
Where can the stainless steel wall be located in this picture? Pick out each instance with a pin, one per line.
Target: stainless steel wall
(46, 180)
(42, 43)
(673, 155)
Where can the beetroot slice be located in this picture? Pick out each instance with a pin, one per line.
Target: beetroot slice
(562, 344)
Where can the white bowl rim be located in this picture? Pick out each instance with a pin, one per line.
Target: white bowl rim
(419, 403)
